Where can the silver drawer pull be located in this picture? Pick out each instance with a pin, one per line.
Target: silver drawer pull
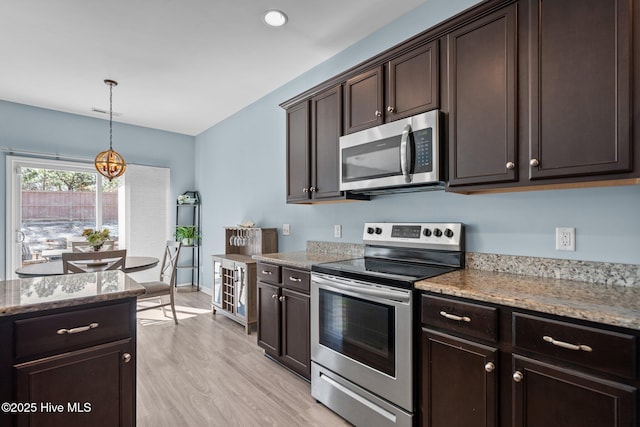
(295, 279)
(268, 273)
(454, 317)
(77, 330)
(569, 346)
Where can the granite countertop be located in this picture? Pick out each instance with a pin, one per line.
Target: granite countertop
(609, 304)
(67, 290)
(302, 259)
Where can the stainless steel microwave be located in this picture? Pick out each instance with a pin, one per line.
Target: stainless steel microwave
(399, 156)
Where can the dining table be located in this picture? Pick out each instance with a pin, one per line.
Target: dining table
(52, 268)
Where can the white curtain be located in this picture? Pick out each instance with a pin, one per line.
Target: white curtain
(145, 217)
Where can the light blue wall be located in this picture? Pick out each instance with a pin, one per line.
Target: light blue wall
(240, 171)
(35, 129)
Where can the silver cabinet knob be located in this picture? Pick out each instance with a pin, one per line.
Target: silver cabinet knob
(390, 109)
(534, 162)
(490, 367)
(378, 113)
(313, 189)
(517, 376)
(282, 298)
(126, 358)
(274, 296)
(305, 190)
(511, 165)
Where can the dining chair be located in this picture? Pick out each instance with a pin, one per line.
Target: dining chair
(165, 285)
(88, 262)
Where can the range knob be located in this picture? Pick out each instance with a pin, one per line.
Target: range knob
(437, 232)
(448, 232)
(370, 230)
(378, 230)
(426, 232)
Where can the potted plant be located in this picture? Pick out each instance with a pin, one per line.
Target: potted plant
(187, 234)
(96, 238)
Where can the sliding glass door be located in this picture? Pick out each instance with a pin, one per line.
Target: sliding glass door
(50, 203)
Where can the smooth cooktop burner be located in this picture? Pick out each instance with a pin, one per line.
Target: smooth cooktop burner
(394, 273)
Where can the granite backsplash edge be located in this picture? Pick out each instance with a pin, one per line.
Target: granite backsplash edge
(606, 273)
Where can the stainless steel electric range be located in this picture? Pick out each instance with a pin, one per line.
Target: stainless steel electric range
(362, 313)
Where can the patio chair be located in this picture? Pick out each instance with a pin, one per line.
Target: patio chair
(164, 286)
(89, 262)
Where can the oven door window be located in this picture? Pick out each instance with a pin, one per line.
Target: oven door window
(360, 329)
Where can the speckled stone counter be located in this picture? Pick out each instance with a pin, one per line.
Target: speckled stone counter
(44, 293)
(596, 302)
(316, 253)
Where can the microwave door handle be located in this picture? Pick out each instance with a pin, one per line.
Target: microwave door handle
(405, 154)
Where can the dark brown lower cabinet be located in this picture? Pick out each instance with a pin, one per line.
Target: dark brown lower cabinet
(459, 382)
(91, 386)
(284, 325)
(71, 366)
(546, 395)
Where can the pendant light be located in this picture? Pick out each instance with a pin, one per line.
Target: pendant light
(110, 163)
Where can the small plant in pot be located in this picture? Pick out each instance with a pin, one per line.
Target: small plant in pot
(187, 234)
(96, 238)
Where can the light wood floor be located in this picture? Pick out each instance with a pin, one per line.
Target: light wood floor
(207, 372)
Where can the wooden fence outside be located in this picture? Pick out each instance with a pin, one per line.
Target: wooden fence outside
(67, 206)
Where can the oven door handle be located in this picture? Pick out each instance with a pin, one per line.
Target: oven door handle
(366, 290)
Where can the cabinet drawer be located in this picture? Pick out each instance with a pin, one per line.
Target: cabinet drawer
(606, 351)
(67, 331)
(295, 279)
(466, 318)
(269, 273)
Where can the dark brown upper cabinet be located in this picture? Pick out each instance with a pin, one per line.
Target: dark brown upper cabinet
(363, 101)
(412, 83)
(482, 100)
(314, 128)
(326, 129)
(298, 152)
(580, 87)
(403, 86)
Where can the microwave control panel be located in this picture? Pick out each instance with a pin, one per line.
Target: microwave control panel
(423, 142)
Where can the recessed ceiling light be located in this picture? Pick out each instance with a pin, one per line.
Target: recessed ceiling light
(275, 18)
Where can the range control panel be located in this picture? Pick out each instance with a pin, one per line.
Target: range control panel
(428, 235)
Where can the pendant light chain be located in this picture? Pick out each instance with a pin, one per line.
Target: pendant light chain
(110, 116)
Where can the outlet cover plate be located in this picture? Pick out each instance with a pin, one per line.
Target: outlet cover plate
(565, 239)
(286, 229)
(337, 231)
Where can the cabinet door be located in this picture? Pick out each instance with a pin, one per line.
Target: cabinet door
(459, 382)
(101, 393)
(544, 395)
(482, 100)
(326, 128)
(298, 152)
(269, 318)
(412, 84)
(296, 332)
(363, 101)
(580, 87)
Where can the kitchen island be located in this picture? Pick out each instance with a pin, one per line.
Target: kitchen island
(69, 350)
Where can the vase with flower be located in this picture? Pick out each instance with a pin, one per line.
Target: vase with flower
(96, 238)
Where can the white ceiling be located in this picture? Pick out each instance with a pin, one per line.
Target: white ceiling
(181, 65)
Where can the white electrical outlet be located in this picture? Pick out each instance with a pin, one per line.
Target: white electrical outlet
(337, 231)
(286, 230)
(565, 239)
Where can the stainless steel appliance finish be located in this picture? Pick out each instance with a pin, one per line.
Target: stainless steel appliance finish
(362, 348)
(399, 156)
